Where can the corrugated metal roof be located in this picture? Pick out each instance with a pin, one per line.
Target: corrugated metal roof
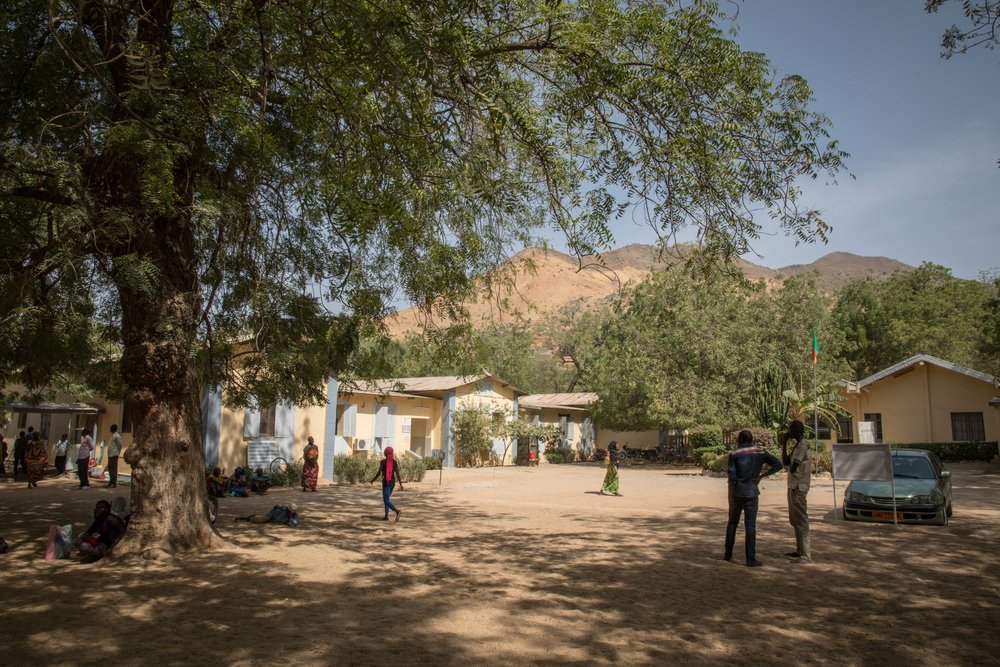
(576, 401)
(917, 358)
(49, 407)
(438, 383)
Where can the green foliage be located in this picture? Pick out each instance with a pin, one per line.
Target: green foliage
(411, 470)
(353, 469)
(702, 437)
(980, 29)
(956, 451)
(212, 184)
(357, 469)
(472, 437)
(765, 439)
(556, 454)
(924, 311)
(704, 456)
(509, 352)
(820, 403)
(718, 463)
(290, 475)
(768, 403)
(822, 458)
(432, 463)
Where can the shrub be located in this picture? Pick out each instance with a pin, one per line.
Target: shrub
(290, 476)
(719, 464)
(955, 451)
(764, 438)
(472, 438)
(410, 470)
(353, 469)
(822, 459)
(703, 456)
(556, 454)
(432, 463)
(705, 436)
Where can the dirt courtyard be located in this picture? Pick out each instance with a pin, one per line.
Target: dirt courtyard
(514, 566)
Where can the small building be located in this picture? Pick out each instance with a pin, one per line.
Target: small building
(570, 412)
(922, 399)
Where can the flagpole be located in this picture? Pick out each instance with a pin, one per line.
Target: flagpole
(815, 358)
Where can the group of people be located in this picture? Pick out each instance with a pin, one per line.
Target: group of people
(219, 485)
(31, 457)
(746, 470)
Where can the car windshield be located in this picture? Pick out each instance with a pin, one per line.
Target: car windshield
(912, 467)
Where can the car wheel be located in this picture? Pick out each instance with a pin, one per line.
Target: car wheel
(949, 510)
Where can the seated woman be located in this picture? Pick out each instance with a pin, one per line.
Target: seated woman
(215, 482)
(102, 535)
(260, 482)
(238, 484)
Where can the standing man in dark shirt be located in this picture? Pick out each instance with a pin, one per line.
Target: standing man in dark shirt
(745, 466)
(20, 451)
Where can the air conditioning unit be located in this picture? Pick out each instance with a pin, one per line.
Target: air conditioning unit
(361, 444)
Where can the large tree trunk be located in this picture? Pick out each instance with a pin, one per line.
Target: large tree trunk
(159, 311)
(169, 500)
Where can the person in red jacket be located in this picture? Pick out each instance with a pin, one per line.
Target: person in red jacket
(388, 470)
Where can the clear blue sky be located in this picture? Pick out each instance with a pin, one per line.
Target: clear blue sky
(923, 132)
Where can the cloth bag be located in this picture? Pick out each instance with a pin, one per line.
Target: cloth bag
(60, 542)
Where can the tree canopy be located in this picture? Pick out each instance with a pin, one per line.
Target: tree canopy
(236, 191)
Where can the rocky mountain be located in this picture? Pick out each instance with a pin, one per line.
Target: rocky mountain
(546, 281)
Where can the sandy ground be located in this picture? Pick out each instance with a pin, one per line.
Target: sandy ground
(513, 566)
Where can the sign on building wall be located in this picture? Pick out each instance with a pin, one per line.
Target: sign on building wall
(866, 433)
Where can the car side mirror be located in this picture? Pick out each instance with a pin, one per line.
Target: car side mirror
(945, 473)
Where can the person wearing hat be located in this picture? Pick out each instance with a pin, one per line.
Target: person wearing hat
(388, 470)
(745, 465)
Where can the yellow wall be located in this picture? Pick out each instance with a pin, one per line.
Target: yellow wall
(232, 445)
(634, 439)
(424, 413)
(917, 405)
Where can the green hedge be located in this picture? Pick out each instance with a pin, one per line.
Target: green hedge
(705, 436)
(354, 469)
(432, 463)
(955, 451)
(704, 456)
(559, 455)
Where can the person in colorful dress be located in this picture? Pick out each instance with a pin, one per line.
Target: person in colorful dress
(388, 470)
(37, 460)
(310, 466)
(610, 486)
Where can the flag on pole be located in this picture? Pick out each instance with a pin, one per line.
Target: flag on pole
(815, 348)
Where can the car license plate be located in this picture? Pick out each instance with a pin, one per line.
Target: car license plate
(887, 515)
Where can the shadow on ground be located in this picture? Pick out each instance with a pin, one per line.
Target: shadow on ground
(455, 583)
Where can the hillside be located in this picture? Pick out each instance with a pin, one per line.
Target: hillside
(548, 281)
